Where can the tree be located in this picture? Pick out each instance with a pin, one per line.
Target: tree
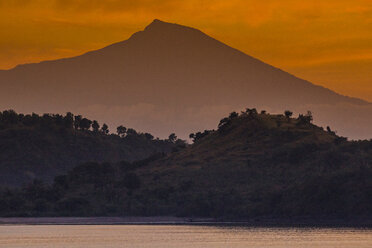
(251, 112)
(329, 130)
(181, 143)
(131, 132)
(77, 121)
(288, 114)
(197, 136)
(121, 130)
(309, 116)
(30, 120)
(104, 128)
(95, 126)
(149, 136)
(10, 116)
(233, 115)
(69, 120)
(58, 119)
(305, 119)
(85, 124)
(172, 137)
(224, 122)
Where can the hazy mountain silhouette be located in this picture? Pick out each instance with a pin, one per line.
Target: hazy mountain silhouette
(172, 78)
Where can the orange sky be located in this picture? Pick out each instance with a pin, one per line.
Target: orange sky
(328, 42)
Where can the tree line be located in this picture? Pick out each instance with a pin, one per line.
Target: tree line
(69, 121)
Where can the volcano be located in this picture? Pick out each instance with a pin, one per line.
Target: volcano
(172, 78)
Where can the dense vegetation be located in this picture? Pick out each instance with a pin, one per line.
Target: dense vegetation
(41, 147)
(255, 164)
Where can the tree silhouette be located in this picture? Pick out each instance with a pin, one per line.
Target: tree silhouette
(95, 126)
(131, 132)
(69, 120)
(85, 124)
(172, 137)
(288, 114)
(251, 112)
(149, 136)
(77, 121)
(305, 119)
(10, 116)
(309, 116)
(197, 136)
(105, 129)
(233, 115)
(121, 131)
(223, 122)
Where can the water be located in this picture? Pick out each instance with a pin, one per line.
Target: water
(143, 236)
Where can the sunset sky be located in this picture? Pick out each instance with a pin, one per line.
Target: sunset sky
(328, 42)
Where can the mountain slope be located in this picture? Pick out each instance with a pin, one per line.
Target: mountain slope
(169, 69)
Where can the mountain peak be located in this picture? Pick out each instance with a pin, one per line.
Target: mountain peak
(156, 23)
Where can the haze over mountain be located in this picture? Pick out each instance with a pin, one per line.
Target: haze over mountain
(172, 78)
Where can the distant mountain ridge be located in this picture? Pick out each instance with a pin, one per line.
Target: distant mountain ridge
(172, 78)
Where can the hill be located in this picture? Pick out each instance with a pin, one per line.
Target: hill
(255, 164)
(169, 77)
(41, 147)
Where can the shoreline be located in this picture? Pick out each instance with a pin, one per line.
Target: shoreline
(101, 220)
(360, 222)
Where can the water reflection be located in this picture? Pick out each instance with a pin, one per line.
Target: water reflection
(161, 236)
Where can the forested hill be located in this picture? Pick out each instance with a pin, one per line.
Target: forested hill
(260, 164)
(41, 147)
(255, 164)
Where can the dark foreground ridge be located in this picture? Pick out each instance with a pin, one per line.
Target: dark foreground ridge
(42, 147)
(256, 166)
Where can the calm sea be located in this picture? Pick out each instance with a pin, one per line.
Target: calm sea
(167, 236)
